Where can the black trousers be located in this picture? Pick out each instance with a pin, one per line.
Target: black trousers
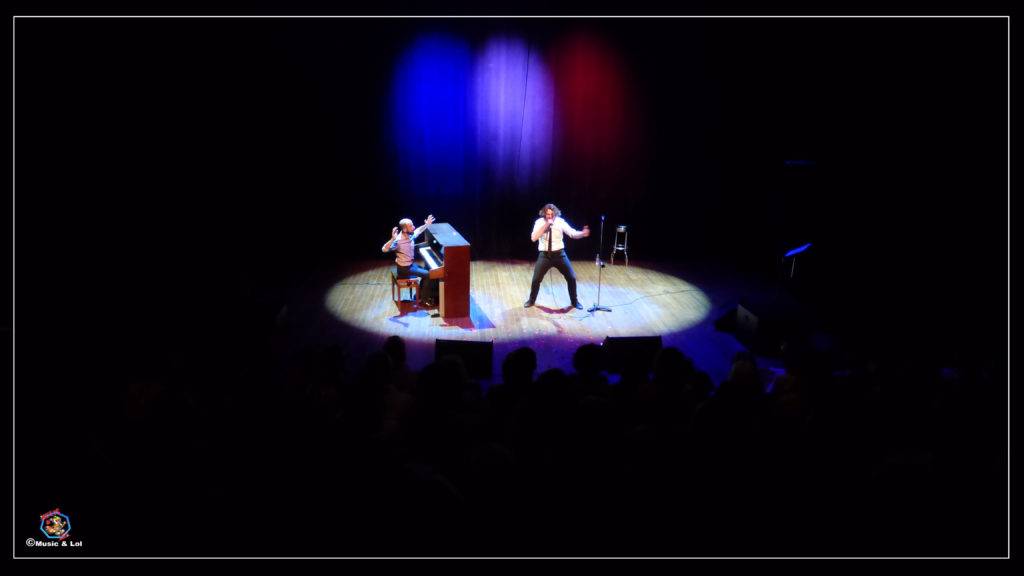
(555, 259)
(426, 284)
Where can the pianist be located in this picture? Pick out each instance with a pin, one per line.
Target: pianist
(401, 242)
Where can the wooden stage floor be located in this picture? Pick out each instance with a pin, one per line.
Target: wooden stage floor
(351, 305)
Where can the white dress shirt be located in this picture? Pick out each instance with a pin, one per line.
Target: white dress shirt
(558, 230)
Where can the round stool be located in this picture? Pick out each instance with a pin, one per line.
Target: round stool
(621, 244)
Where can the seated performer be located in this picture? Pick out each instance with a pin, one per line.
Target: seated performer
(401, 242)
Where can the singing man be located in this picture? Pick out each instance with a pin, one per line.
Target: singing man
(549, 232)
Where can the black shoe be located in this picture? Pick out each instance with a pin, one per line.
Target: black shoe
(528, 303)
(578, 306)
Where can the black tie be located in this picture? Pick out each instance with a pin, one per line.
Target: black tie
(549, 239)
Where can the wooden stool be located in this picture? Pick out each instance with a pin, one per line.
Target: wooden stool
(397, 284)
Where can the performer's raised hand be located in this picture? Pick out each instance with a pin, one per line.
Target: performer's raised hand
(429, 220)
(586, 231)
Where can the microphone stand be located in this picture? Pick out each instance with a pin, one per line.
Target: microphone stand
(600, 267)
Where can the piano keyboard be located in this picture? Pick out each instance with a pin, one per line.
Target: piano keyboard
(434, 264)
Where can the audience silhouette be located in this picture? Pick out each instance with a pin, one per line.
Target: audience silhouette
(855, 455)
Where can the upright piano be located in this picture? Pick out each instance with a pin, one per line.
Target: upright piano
(446, 254)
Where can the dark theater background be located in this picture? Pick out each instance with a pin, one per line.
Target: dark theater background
(187, 189)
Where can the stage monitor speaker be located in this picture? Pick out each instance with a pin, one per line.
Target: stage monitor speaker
(624, 354)
(478, 357)
(761, 329)
(747, 326)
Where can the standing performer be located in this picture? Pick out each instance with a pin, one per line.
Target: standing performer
(549, 232)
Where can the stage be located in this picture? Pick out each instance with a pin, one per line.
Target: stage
(200, 287)
(351, 306)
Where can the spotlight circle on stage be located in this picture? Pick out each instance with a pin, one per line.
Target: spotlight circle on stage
(644, 302)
